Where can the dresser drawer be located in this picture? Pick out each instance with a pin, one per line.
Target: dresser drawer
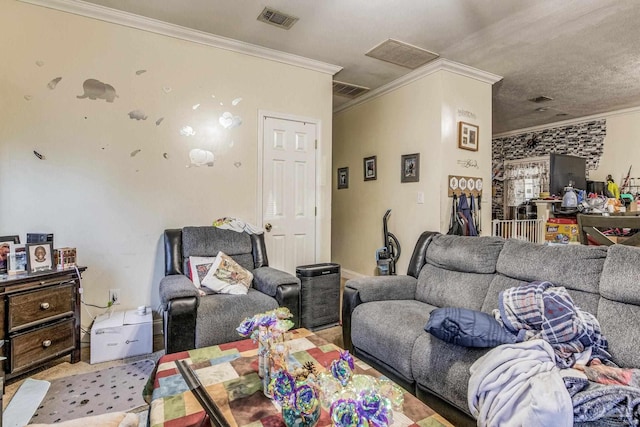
(44, 305)
(31, 348)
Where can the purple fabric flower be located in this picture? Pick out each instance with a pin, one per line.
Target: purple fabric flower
(345, 413)
(347, 357)
(375, 408)
(305, 399)
(341, 371)
(281, 386)
(267, 320)
(247, 326)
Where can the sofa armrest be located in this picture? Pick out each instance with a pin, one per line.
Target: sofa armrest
(176, 286)
(268, 279)
(380, 288)
(284, 287)
(367, 289)
(180, 300)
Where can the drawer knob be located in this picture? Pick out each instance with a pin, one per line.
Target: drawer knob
(45, 306)
(46, 343)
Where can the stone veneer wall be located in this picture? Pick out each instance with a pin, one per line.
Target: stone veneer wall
(582, 140)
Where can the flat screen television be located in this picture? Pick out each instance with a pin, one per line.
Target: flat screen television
(563, 169)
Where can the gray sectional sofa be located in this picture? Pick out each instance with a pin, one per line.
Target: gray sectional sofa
(384, 317)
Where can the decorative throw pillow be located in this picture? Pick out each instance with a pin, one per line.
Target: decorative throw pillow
(227, 276)
(468, 328)
(199, 266)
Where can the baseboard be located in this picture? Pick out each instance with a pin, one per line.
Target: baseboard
(348, 274)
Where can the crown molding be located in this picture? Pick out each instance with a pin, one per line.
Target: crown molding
(439, 64)
(131, 20)
(570, 122)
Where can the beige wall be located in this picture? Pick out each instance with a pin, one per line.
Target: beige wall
(90, 191)
(420, 117)
(621, 147)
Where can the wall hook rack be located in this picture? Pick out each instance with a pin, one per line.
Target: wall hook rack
(468, 185)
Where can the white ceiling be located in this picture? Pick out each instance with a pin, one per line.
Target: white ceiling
(585, 54)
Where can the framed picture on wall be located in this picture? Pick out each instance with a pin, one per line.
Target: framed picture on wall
(370, 168)
(39, 256)
(468, 136)
(343, 178)
(410, 168)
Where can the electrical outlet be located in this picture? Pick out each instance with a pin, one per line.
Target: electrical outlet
(114, 296)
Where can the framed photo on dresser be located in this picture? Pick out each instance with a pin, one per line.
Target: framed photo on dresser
(39, 256)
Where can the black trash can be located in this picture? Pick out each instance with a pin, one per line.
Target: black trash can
(320, 295)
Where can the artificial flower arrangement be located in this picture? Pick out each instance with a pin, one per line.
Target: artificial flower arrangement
(352, 400)
(273, 324)
(268, 329)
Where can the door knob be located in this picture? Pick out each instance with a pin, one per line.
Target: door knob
(267, 227)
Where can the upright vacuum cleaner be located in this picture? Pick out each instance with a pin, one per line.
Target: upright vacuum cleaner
(387, 256)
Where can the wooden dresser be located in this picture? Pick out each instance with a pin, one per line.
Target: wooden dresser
(39, 318)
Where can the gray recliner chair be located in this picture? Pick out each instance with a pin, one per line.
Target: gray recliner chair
(192, 321)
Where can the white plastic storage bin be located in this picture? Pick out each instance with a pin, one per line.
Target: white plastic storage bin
(121, 334)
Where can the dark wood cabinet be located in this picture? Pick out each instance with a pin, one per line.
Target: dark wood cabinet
(39, 318)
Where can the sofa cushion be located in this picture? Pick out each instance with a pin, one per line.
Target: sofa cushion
(618, 310)
(199, 266)
(465, 254)
(387, 331)
(620, 324)
(227, 276)
(445, 288)
(572, 266)
(443, 368)
(621, 275)
(208, 241)
(220, 314)
(468, 328)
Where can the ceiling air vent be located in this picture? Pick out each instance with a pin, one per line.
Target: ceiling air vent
(541, 98)
(279, 19)
(348, 90)
(401, 53)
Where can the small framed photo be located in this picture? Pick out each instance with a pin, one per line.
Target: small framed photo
(343, 178)
(6, 249)
(14, 238)
(370, 168)
(18, 260)
(410, 167)
(39, 256)
(468, 136)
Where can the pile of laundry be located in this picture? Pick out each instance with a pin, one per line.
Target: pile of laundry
(557, 373)
(238, 225)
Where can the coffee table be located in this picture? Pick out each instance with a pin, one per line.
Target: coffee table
(229, 372)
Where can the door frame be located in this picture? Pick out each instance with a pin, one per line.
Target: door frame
(262, 115)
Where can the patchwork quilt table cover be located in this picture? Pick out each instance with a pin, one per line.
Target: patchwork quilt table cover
(229, 372)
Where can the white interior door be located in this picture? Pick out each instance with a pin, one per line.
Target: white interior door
(289, 192)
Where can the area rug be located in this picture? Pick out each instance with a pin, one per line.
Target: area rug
(118, 388)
